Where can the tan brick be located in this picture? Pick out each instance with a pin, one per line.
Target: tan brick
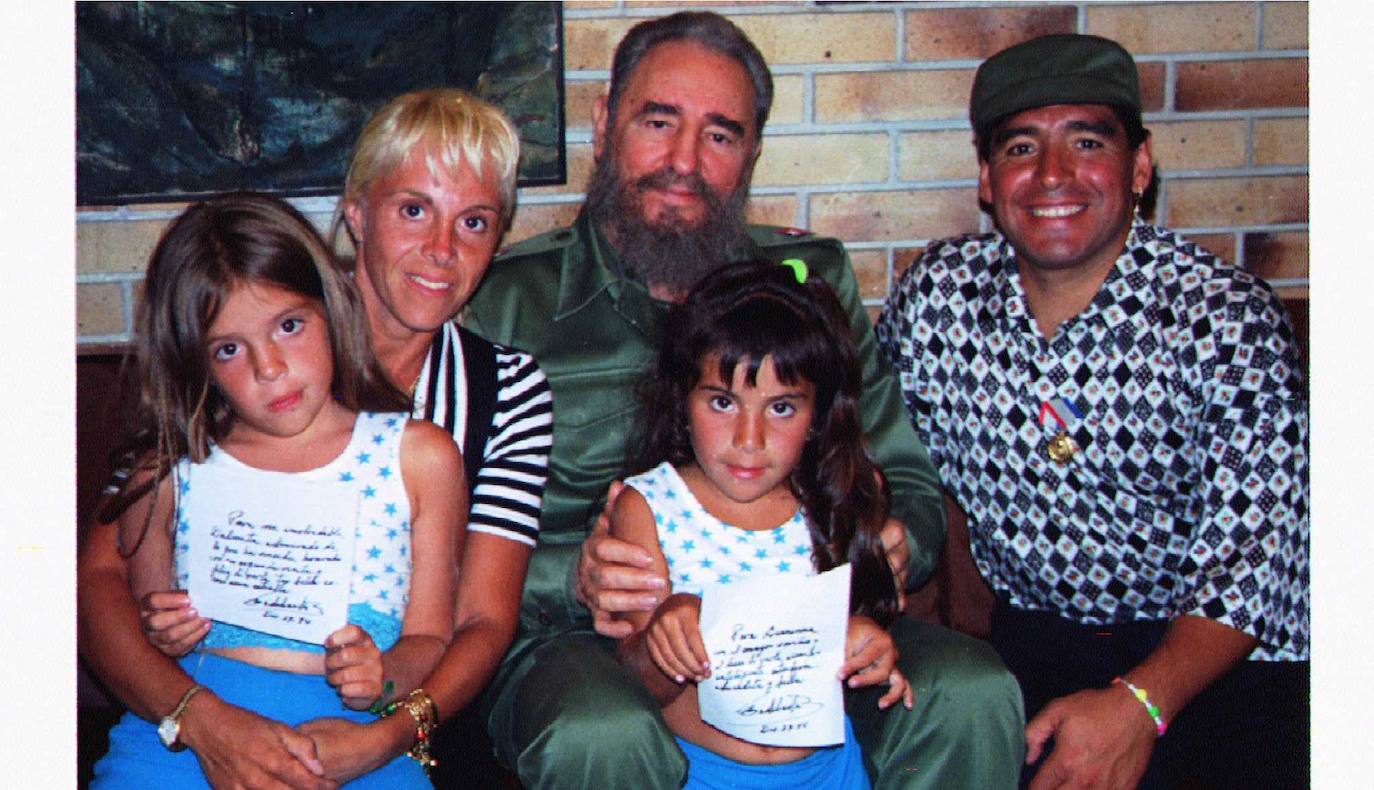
(1281, 141)
(1195, 145)
(579, 173)
(1238, 84)
(1152, 76)
(580, 5)
(788, 99)
(778, 210)
(1285, 26)
(1277, 256)
(870, 269)
(893, 96)
(87, 245)
(1236, 201)
(579, 99)
(591, 42)
(1175, 27)
(902, 258)
(966, 33)
(892, 216)
(100, 309)
(936, 156)
(1222, 245)
(116, 246)
(536, 219)
(822, 38)
(835, 159)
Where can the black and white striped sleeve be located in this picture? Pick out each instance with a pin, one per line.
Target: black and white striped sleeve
(515, 466)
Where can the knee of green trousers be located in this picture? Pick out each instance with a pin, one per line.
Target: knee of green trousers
(967, 726)
(568, 715)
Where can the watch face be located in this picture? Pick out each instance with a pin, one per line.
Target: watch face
(168, 730)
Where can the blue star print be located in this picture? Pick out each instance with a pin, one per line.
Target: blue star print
(364, 458)
(346, 477)
(369, 492)
(377, 438)
(390, 508)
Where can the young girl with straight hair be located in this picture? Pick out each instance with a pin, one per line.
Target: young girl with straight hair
(754, 463)
(256, 369)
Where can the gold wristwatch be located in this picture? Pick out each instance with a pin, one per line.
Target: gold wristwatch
(169, 729)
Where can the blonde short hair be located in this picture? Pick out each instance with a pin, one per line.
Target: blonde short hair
(453, 127)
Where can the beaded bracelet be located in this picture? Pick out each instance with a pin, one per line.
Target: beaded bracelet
(426, 714)
(1150, 707)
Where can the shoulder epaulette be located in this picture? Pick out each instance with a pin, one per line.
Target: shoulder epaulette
(776, 236)
(544, 242)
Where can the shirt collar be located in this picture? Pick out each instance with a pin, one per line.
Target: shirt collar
(1116, 301)
(599, 270)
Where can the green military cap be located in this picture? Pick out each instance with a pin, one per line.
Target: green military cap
(1060, 69)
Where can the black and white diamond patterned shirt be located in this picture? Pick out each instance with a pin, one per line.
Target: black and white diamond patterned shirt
(1185, 490)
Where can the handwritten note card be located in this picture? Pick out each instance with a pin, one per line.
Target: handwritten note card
(776, 645)
(271, 555)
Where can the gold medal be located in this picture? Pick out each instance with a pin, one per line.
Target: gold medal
(1062, 448)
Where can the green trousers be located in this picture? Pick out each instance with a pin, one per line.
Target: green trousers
(563, 713)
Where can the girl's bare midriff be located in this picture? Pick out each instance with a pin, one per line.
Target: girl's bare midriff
(684, 719)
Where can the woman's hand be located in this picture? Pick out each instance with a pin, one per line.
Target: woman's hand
(349, 749)
(353, 666)
(238, 748)
(171, 624)
(871, 659)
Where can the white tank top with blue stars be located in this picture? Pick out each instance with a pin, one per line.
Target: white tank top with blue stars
(702, 550)
(368, 470)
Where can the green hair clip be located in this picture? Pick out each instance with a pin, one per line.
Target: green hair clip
(798, 267)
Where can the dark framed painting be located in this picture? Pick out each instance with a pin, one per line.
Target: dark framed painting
(178, 100)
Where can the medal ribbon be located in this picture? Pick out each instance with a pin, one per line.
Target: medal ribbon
(1060, 411)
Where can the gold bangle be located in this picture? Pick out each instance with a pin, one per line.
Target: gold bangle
(426, 715)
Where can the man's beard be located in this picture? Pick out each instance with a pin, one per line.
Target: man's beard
(671, 253)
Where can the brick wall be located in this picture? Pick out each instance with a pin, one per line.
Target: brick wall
(869, 138)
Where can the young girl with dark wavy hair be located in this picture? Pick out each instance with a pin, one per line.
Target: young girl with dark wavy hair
(754, 464)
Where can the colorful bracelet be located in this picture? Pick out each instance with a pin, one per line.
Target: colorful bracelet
(426, 714)
(1150, 707)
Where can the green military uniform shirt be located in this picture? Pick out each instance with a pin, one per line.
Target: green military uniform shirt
(594, 333)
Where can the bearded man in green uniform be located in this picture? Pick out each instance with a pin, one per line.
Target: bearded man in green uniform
(676, 140)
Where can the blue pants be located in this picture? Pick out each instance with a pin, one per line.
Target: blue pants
(137, 759)
(832, 768)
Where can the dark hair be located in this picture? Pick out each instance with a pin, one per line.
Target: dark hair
(711, 31)
(750, 311)
(209, 250)
(1130, 121)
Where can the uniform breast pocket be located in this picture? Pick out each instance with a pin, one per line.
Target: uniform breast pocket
(595, 418)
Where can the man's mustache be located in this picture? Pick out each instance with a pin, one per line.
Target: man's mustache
(667, 179)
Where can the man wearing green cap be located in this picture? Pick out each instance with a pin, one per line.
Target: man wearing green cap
(675, 142)
(1122, 417)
